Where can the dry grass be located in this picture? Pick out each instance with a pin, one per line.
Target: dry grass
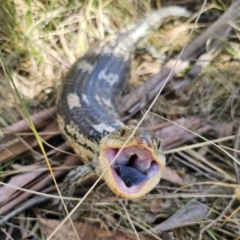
(39, 42)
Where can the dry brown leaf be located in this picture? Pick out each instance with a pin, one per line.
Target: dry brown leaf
(85, 232)
(171, 176)
(192, 213)
(175, 133)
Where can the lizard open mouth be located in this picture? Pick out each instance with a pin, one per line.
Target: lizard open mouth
(136, 169)
(132, 168)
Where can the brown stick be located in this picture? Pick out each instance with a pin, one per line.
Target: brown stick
(39, 120)
(27, 143)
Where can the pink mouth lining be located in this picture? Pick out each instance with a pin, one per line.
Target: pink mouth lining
(138, 161)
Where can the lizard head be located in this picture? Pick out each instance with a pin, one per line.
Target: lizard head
(132, 166)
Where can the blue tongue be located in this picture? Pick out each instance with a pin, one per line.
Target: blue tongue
(130, 175)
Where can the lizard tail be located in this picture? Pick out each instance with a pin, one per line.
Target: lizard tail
(132, 36)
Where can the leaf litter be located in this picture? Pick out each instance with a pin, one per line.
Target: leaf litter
(201, 96)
